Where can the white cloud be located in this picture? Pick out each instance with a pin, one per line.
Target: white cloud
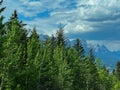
(75, 19)
(34, 4)
(77, 27)
(86, 16)
(42, 25)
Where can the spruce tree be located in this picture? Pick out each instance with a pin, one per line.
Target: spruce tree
(2, 39)
(32, 46)
(77, 70)
(32, 49)
(15, 53)
(45, 67)
(53, 42)
(118, 70)
(60, 36)
(79, 48)
(91, 75)
(105, 79)
(2, 30)
(91, 56)
(62, 69)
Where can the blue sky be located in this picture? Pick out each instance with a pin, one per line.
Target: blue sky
(97, 21)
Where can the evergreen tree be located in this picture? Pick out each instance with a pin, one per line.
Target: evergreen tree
(32, 49)
(91, 75)
(32, 46)
(15, 54)
(91, 56)
(2, 30)
(13, 17)
(118, 70)
(63, 71)
(53, 42)
(60, 36)
(106, 80)
(77, 70)
(79, 48)
(2, 39)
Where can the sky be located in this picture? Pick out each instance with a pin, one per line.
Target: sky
(96, 21)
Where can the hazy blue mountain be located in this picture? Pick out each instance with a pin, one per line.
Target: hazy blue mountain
(108, 58)
(100, 51)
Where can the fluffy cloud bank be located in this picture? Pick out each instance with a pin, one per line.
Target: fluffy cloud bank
(87, 19)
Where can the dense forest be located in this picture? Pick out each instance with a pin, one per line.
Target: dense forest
(29, 63)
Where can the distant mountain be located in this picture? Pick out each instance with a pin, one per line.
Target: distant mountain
(100, 51)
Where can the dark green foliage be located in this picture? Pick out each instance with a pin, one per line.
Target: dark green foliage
(2, 31)
(2, 39)
(91, 56)
(15, 54)
(106, 79)
(60, 38)
(118, 70)
(79, 48)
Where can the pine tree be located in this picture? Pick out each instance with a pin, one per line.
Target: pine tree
(53, 42)
(60, 36)
(2, 39)
(32, 49)
(15, 53)
(77, 70)
(118, 70)
(106, 80)
(13, 17)
(91, 75)
(32, 45)
(2, 31)
(63, 71)
(91, 56)
(79, 48)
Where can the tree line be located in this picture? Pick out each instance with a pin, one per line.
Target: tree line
(29, 63)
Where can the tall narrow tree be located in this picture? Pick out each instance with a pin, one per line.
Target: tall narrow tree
(15, 52)
(2, 39)
(79, 48)
(91, 56)
(60, 36)
(62, 69)
(32, 49)
(118, 70)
